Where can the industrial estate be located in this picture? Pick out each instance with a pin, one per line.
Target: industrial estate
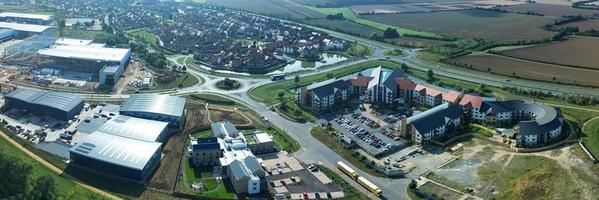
(295, 99)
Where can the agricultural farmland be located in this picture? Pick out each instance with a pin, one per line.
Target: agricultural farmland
(490, 25)
(583, 25)
(574, 52)
(430, 6)
(414, 42)
(550, 10)
(276, 8)
(528, 69)
(344, 26)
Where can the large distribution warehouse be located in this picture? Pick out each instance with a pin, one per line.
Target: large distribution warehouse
(57, 105)
(164, 108)
(123, 157)
(26, 18)
(136, 128)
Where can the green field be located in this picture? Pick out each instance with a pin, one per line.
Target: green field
(66, 188)
(144, 35)
(529, 177)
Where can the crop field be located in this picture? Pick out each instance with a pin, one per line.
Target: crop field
(351, 16)
(574, 52)
(415, 42)
(276, 8)
(490, 25)
(550, 10)
(344, 26)
(429, 6)
(583, 25)
(528, 69)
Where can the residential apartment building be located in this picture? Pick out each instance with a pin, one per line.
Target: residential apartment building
(433, 124)
(325, 95)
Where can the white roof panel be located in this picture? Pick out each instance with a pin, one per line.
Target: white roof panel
(69, 41)
(24, 27)
(86, 52)
(26, 15)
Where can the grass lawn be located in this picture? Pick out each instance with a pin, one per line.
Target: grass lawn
(212, 188)
(591, 137)
(144, 35)
(350, 192)
(529, 177)
(439, 191)
(480, 130)
(332, 142)
(350, 15)
(359, 50)
(185, 80)
(66, 188)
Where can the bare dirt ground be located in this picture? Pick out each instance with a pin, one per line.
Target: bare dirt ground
(165, 178)
(479, 154)
(132, 71)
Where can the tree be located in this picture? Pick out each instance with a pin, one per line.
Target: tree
(330, 75)
(61, 26)
(13, 176)
(430, 74)
(404, 67)
(44, 188)
(391, 33)
(412, 184)
(297, 79)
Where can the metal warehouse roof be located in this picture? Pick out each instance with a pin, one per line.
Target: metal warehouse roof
(122, 151)
(70, 41)
(24, 27)
(135, 128)
(154, 103)
(89, 52)
(58, 100)
(26, 15)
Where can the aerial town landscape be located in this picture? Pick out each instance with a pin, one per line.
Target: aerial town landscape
(299, 99)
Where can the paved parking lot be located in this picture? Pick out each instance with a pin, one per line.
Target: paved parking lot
(372, 140)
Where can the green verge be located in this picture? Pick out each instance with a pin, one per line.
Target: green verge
(66, 188)
(332, 142)
(591, 137)
(185, 80)
(351, 193)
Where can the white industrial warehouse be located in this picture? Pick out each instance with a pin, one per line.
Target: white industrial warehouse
(165, 108)
(126, 146)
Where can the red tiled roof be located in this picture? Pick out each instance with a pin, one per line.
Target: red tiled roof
(427, 90)
(360, 81)
(405, 84)
(451, 96)
(475, 101)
